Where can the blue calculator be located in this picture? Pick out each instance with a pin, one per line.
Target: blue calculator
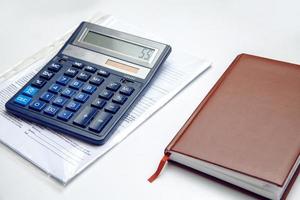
(87, 88)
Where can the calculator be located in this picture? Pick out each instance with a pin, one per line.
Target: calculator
(90, 85)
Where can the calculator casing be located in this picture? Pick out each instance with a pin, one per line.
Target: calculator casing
(67, 127)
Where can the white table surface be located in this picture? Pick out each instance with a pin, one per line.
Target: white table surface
(217, 30)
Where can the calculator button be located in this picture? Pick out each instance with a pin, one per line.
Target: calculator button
(126, 90)
(83, 76)
(114, 86)
(22, 100)
(39, 82)
(112, 108)
(47, 75)
(77, 64)
(90, 69)
(96, 80)
(100, 121)
(30, 91)
(37, 105)
(98, 103)
(67, 92)
(47, 96)
(103, 73)
(64, 115)
(63, 80)
(85, 116)
(54, 67)
(76, 84)
(81, 97)
(71, 72)
(74, 106)
(60, 101)
(118, 98)
(105, 94)
(90, 89)
(55, 88)
(51, 110)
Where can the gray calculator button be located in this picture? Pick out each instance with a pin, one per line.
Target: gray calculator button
(100, 121)
(112, 108)
(114, 86)
(39, 83)
(91, 69)
(96, 80)
(104, 73)
(126, 90)
(83, 76)
(47, 74)
(54, 67)
(71, 72)
(120, 99)
(105, 94)
(77, 64)
(99, 103)
(85, 116)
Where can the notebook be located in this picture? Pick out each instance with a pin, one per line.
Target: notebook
(247, 129)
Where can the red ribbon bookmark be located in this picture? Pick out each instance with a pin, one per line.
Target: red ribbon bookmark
(159, 168)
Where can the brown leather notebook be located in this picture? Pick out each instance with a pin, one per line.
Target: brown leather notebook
(247, 129)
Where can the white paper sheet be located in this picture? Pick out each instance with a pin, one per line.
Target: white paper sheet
(64, 157)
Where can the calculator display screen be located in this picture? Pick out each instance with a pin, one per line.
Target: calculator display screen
(120, 46)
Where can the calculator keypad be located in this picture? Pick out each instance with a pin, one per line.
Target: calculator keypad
(83, 96)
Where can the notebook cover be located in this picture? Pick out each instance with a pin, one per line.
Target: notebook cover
(249, 122)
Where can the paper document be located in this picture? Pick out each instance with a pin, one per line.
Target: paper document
(64, 157)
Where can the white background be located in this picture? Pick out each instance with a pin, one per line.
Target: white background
(217, 30)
